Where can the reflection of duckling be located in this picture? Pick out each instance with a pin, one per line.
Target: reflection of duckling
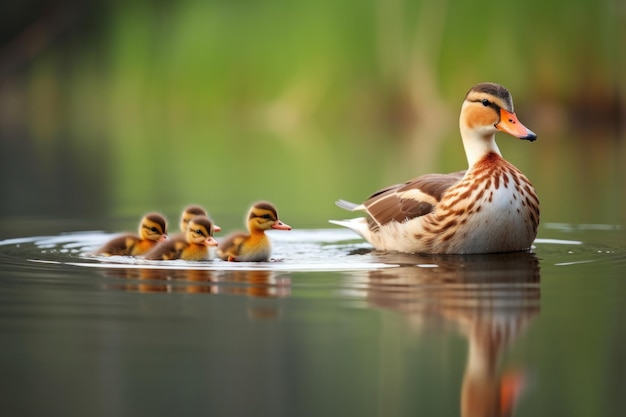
(189, 213)
(255, 246)
(152, 229)
(193, 247)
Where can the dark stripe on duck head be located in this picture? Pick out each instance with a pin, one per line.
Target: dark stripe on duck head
(263, 206)
(201, 225)
(495, 90)
(195, 210)
(157, 221)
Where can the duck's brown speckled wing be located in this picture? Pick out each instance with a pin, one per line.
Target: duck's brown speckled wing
(412, 199)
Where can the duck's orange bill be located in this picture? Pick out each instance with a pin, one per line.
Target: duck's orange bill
(281, 226)
(509, 124)
(216, 228)
(210, 241)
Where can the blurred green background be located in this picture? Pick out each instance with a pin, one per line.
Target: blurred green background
(116, 108)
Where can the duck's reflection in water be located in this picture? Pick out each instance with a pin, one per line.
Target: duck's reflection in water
(258, 283)
(491, 299)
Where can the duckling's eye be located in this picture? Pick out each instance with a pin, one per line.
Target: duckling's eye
(154, 230)
(266, 216)
(198, 231)
(485, 102)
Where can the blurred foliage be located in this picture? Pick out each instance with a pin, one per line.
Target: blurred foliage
(124, 107)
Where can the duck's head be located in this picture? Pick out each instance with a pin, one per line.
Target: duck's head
(189, 213)
(200, 231)
(153, 226)
(487, 109)
(263, 216)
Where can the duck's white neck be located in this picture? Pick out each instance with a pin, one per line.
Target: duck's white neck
(478, 145)
(478, 141)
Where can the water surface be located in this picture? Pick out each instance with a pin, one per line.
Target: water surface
(328, 327)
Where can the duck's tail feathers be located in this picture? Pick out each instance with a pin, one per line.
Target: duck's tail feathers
(344, 223)
(347, 205)
(357, 225)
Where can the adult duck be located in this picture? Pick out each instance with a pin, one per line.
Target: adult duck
(491, 207)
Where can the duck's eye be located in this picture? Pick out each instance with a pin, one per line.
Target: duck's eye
(154, 230)
(198, 231)
(485, 102)
(266, 216)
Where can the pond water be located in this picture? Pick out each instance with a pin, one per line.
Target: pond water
(329, 327)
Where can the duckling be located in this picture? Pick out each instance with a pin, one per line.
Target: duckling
(152, 229)
(193, 247)
(189, 213)
(255, 246)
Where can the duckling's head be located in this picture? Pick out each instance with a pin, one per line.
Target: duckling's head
(488, 107)
(200, 231)
(189, 213)
(263, 216)
(153, 226)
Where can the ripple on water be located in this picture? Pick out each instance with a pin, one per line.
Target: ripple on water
(574, 245)
(313, 250)
(307, 250)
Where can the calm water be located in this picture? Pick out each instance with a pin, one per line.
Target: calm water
(328, 328)
(114, 110)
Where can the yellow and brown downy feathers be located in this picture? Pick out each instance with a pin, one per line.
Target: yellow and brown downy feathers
(189, 213)
(254, 246)
(491, 207)
(152, 229)
(193, 247)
